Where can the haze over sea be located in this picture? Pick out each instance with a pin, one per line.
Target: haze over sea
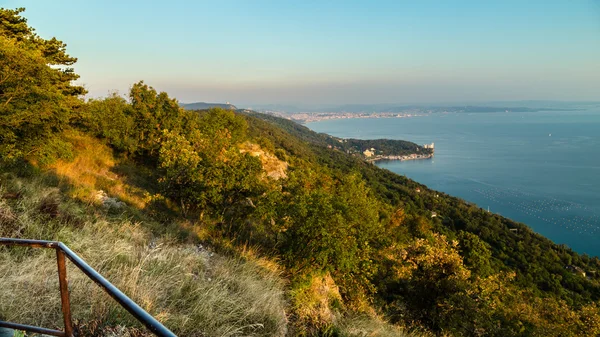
(539, 168)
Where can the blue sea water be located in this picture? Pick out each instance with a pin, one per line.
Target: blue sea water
(539, 168)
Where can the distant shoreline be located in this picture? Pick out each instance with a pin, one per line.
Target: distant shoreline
(401, 158)
(357, 116)
(312, 117)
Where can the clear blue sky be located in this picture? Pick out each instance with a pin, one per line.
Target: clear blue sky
(316, 52)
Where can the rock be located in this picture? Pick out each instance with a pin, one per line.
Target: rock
(274, 168)
(107, 201)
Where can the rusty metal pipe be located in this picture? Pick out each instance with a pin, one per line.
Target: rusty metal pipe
(28, 243)
(140, 314)
(61, 251)
(64, 292)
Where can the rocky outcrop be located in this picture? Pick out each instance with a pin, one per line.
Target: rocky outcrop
(273, 166)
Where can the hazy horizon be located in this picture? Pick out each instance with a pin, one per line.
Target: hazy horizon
(293, 107)
(383, 52)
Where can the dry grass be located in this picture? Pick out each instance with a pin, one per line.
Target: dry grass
(191, 289)
(371, 326)
(316, 301)
(92, 170)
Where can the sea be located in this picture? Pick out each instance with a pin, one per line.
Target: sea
(538, 168)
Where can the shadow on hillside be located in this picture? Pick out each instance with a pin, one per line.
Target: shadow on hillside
(156, 216)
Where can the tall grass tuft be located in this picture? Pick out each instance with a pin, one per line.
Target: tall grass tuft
(363, 325)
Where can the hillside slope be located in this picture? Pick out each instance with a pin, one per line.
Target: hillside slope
(164, 267)
(241, 224)
(514, 246)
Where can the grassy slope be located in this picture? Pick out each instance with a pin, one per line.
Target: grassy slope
(166, 267)
(189, 287)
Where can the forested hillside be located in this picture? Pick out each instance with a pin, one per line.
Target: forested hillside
(203, 105)
(194, 225)
(356, 147)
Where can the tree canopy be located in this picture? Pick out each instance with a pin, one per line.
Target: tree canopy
(37, 96)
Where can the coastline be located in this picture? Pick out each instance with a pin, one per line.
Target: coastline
(401, 158)
(303, 119)
(562, 207)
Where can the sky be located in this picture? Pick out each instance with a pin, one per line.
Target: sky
(331, 52)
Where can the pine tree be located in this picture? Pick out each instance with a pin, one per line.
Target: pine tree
(37, 96)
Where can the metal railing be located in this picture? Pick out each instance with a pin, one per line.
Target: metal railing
(63, 251)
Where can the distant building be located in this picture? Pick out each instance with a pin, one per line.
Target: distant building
(429, 146)
(576, 270)
(418, 190)
(368, 153)
(433, 214)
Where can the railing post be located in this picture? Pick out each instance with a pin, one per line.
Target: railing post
(64, 291)
(63, 252)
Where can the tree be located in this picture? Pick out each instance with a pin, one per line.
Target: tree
(111, 119)
(332, 227)
(217, 120)
(428, 273)
(36, 91)
(476, 254)
(208, 172)
(152, 113)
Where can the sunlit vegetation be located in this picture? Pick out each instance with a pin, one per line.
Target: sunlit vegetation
(182, 210)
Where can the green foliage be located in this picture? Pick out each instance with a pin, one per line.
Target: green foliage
(207, 170)
(366, 232)
(216, 121)
(55, 148)
(180, 162)
(384, 147)
(427, 273)
(332, 227)
(441, 294)
(36, 94)
(476, 253)
(111, 118)
(152, 112)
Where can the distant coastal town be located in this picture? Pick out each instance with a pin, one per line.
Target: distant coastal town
(309, 117)
(379, 111)
(323, 116)
(371, 157)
